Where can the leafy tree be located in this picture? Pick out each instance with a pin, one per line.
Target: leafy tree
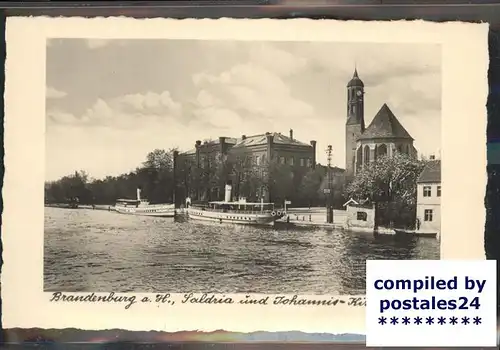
(249, 177)
(187, 179)
(310, 186)
(156, 176)
(69, 189)
(387, 179)
(213, 174)
(391, 182)
(315, 181)
(281, 178)
(159, 159)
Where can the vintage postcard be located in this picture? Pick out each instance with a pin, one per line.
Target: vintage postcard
(233, 174)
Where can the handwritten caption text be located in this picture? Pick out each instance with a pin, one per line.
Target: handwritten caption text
(191, 298)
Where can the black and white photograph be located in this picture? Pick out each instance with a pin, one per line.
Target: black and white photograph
(238, 166)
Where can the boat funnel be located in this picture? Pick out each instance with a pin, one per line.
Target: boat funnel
(139, 194)
(227, 197)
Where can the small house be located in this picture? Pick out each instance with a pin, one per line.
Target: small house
(360, 215)
(429, 198)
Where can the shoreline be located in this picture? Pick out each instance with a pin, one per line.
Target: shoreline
(87, 207)
(313, 217)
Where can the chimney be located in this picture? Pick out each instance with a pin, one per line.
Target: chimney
(197, 146)
(229, 187)
(291, 134)
(432, 157)
(269, 148)
(174, 176)
(313, 145)
(222, 145)
(243, 137)
(139, 194)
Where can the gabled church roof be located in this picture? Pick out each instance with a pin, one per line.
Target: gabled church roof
(385, 125)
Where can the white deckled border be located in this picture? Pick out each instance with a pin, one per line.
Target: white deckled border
(465, 62)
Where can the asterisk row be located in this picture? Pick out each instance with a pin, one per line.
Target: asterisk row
(429, 320)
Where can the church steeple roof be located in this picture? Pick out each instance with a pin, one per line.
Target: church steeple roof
(385, 125)
(355, 81)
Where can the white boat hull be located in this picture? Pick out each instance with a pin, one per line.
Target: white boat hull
(232, 218)
(156, 211)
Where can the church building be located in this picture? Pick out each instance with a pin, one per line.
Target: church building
(384, 136)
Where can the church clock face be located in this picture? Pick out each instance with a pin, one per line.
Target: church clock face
(359, 93)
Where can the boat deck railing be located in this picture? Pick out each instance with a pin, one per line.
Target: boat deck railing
(236, 211)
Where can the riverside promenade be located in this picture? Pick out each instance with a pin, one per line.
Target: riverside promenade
(315, 216)
(300, 217)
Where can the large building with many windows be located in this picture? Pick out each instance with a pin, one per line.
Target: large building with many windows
(256, 151)
(262, 148)
(429, 198)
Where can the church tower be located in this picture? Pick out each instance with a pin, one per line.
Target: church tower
(355, 124)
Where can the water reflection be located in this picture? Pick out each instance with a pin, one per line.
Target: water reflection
(103, 251)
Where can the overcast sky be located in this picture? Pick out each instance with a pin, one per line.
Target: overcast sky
(111, 102)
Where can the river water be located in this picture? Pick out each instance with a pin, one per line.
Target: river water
(101, 251)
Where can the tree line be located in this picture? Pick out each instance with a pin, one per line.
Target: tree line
(156, 176)
(388, 181)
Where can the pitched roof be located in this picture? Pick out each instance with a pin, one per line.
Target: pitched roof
(228, 140)
(431, 172)
(351, 200)
(261, 139)
(191, 151)
(385, 125)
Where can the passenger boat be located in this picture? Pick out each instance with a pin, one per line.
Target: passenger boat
(235, 212)
(143, 208)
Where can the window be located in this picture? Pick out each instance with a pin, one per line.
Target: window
(439, 191)
(309, 162)
(428, 215)
(302, 162)
(282, 160)
(361, 216)
(292, 161)
(427, 191)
